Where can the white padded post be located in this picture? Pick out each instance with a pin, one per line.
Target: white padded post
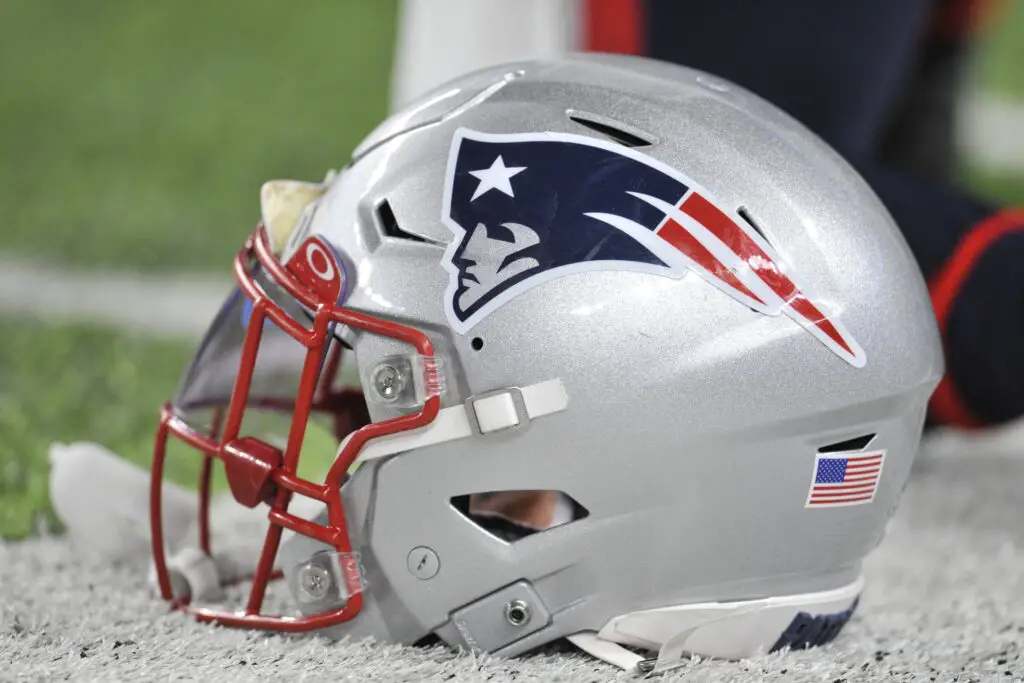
(495, 413)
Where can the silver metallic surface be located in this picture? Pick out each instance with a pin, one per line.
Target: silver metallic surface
(693, 421)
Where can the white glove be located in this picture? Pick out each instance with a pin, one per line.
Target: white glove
(103, 500)
(201, 577)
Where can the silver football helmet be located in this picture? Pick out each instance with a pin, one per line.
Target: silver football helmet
(634, 360)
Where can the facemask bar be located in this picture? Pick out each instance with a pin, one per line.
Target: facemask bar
(270, 475)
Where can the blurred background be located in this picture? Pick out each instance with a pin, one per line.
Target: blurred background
(134, 137)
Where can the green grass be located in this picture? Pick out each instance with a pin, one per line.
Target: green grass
(1000, 63)
(138, 132)
(997, 188)
(80, 383)
(69, 384)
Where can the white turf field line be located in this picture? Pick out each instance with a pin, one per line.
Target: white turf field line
(168, 306)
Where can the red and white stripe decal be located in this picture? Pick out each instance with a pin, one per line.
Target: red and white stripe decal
(727, 254)
(734, 237)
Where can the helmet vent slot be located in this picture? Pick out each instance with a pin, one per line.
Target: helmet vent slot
(513, 515)
(615, 130)
(858, 443)
(745, 215)
(389, 225)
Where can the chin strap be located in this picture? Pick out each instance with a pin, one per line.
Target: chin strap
(732, 630)
(490, 415)
(606, 650)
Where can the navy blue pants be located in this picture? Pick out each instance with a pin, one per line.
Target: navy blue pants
(843, 68)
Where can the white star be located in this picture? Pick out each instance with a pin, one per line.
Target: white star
(497, 177)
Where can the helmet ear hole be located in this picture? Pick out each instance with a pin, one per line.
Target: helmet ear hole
(513, 515)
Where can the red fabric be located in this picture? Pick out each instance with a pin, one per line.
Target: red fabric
(947, 405)
(957, 20)
(613, 26)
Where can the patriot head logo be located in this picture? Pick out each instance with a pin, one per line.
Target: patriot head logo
(528, 208)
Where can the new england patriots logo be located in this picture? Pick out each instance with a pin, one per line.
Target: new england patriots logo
(528, 208)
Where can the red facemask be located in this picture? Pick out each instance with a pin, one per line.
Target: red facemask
(269, 310)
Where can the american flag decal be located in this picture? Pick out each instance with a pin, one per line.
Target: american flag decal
(845, 479)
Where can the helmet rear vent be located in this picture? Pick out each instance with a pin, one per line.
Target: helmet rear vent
(745, 215)
(615, 130)
(858, 443)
